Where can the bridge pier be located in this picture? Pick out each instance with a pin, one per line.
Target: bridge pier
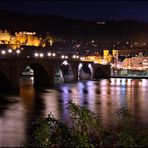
(75, 71)
(14, 75)
(51, 71)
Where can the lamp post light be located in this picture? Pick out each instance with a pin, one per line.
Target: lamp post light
(62, 56)
(53, 54)
(74, 56)
(18, 52)
(49, 54)
(82, 58)
(3, 52)
(41, 55)
(9, 50)
(36, 54)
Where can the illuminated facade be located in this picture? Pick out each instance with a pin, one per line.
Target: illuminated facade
(108, 57)
(23, 38)
(136, 63)
(115, 54)
(105, 59)
(127, 63)
(27, 38)
(105, 54)
(95, 59)
(4, 37)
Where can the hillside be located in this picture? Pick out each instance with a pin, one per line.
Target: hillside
(106, 35)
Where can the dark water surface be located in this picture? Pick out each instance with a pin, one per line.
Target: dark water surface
(18, 110)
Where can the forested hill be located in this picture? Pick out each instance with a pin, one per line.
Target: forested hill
(108, 31)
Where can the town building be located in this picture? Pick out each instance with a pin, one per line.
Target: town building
(139, 62)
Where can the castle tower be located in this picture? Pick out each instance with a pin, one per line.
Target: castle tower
(105, 54)
(115, 54)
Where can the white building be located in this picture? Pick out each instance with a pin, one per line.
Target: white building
(136, 63)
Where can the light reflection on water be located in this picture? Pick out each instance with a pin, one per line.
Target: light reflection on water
(18, 111)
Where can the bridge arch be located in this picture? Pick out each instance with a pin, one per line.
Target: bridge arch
(65, 71)
(85, 71)
(40, 74)
(4, 81)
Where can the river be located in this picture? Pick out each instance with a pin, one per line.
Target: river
(18, 110)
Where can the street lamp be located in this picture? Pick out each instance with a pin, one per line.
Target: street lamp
(62, 56)
(74, 56)
(49, 54)
(36, 54)
(3, 52)
(66, 57)
(53, 54)
(82, 58)
(18, 51)
(9, 50)
(41, 55)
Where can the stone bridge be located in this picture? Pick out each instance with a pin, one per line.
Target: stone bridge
(11, 70)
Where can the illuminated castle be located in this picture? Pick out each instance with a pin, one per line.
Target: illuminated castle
(27, 38)
(23, 38)
(4, 37)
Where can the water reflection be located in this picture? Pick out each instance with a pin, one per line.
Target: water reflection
(19, 111)
(11, 121)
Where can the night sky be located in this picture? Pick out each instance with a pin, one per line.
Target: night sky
(88, 10)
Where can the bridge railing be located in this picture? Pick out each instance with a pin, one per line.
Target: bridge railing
(38, 54)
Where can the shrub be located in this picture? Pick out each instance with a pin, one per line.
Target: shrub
(85, 131)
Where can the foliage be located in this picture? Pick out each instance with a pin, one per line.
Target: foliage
(86, 125)
(85, 131)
